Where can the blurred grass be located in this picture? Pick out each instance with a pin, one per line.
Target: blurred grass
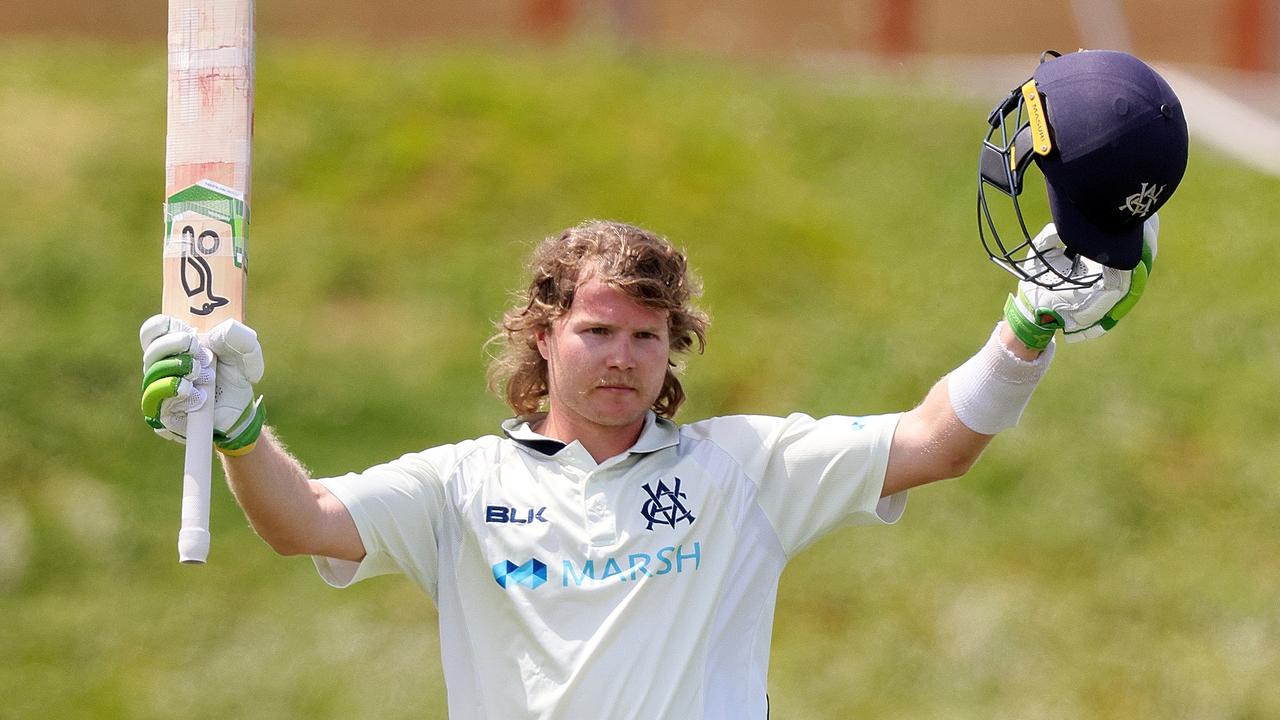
(1114, 557)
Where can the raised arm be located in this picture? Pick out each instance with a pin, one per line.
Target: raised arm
(932, 443)
(294, 514)
(945, 434)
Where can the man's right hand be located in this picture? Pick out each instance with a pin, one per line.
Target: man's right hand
(176, 373)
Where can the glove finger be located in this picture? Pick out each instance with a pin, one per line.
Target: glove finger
(157, 325)
(1057, 262)
(1090, 304)
(1047, 254)
(1083, 267)
(236, 344)
(196, 367)
(1137, 283)
(1047, 239)
(178, 366)
(155, 394)
(239, 365)
(183, 342)
(1089, 333)
(168, 434)
(190, 398)
(168, 402)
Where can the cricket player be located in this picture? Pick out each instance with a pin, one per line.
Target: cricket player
(596, 559)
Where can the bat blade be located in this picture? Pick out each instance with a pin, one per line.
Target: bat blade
(207, 169)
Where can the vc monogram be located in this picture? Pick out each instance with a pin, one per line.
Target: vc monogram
(665, 505)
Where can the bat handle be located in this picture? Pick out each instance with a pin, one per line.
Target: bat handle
(193, 537)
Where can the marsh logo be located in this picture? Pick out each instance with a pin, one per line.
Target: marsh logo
(665, 505)
(670, 560)
(531, 574)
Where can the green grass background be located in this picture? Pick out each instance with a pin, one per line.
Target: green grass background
(1116, 556)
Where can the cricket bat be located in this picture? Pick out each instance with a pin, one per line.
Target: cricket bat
(206, 209)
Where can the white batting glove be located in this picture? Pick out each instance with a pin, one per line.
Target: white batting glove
(176, 374)
(1036, 313)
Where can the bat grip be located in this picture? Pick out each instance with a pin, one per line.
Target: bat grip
(193, 537)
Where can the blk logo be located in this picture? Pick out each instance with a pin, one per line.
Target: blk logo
(1140, 203)
(197, 276)
(665, 505)
(531, 574)
(500, 514)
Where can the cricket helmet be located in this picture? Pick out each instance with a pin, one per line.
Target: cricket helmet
(1109, 137)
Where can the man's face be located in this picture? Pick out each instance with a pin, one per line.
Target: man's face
(606, 359)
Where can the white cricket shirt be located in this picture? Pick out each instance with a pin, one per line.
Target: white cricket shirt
(639, 587)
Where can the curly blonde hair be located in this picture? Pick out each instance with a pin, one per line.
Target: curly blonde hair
(636, 261)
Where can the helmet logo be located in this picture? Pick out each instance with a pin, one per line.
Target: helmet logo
(1139, 203)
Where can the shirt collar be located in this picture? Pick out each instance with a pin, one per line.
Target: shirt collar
(658, 433)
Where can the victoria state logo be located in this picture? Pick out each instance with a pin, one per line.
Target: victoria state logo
(1140, 203)
(665, 505)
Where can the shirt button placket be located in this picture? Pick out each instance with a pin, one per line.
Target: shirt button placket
(600, 519)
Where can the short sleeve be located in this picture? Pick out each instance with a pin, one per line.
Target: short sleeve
(399, 510)
(814, 475)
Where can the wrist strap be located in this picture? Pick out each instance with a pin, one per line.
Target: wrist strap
(991, 389)
(1031, 333)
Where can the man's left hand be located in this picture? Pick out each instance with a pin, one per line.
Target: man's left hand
(1036, 313)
